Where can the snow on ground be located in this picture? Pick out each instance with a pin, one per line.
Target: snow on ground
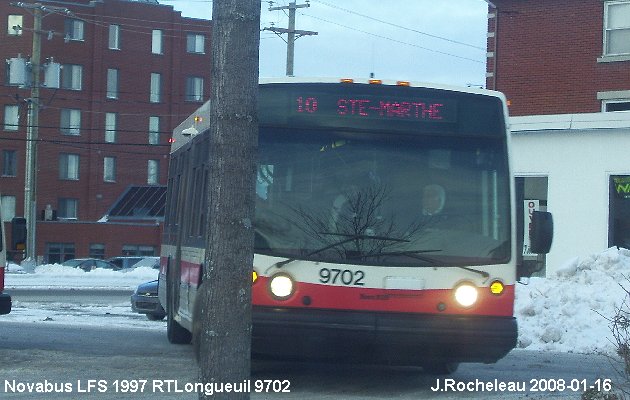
(567, 312)
(59, 276)
(95, 313)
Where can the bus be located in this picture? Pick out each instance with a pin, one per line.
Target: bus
(384, 225)
(5, 299)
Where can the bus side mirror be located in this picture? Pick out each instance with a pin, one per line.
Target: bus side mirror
(541, 232)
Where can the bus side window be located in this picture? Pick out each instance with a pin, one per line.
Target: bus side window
(264, 180)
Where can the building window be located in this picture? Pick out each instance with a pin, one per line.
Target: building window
(156, 88)
(70, 122)
(135, 250)
(56, 253)
(97, 250)
(195, 43)
(14, 25)
(114, 37)
(109, 169)
(616, 28)
(111, 124)
(616, 106)
(194, 88)
(156, 41)
(8, 207)
(9, 163)
(69, 167)
(112, 83)
(531, 193)
(619, 213)
(67, 208)
(74, 29)
(153, 172)
(11, 117)
(71, 76)
(154, 130)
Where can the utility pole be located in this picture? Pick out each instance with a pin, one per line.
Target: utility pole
(32, 128)
(32, 136)
(293, 34)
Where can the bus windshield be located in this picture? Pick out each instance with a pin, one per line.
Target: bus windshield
(382, 198)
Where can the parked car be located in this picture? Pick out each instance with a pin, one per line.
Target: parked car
(89, 264)
(145, 301)
(125, 262)
(151, 262)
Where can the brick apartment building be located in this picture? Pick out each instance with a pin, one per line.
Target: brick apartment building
(564, 65)
(560, 56)
(131, 71)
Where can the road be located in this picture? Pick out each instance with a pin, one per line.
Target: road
(99, 354)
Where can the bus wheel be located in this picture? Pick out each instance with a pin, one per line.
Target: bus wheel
(440, 368)
(175, 333)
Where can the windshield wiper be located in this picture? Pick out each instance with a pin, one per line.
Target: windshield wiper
(408, 253)
(349, 238)
(416, 254)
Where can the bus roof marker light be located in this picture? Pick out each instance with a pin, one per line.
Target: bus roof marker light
(346, 80)
(403, 83)
(375, 82)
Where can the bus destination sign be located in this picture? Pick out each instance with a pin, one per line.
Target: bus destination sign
(373, 107)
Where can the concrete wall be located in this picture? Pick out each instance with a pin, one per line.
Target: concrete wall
(578, 153)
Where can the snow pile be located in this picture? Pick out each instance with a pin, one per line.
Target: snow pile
(60, 276)
(570, 311)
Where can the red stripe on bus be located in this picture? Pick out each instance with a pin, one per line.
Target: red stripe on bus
(431, 301)
(312, 295)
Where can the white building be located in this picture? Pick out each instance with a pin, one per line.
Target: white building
(579, 166)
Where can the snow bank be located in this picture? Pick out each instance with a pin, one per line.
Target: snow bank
(568, 312)
(59, 276)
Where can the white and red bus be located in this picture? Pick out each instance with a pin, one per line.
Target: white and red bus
(384, 227)
(5, 299)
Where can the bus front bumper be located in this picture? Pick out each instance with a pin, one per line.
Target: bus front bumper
(393, 338)
(5, 303)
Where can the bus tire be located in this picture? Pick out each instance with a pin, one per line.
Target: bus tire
(440, 368)
(175, 333)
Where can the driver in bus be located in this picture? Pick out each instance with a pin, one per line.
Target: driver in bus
(436, 216)
(433, 199)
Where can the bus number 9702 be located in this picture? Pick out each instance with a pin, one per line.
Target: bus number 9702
(335, 276)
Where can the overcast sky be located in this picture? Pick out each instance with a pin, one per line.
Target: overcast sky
(417, 40)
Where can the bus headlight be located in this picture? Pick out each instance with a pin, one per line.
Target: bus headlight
(466, 294)
(281, 286)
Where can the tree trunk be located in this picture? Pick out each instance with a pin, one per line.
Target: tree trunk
(223, 331)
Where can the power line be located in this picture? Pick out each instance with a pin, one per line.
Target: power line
(41, 99)
(396, 40)
(91, 143)
(103, 129)
(400, 26)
